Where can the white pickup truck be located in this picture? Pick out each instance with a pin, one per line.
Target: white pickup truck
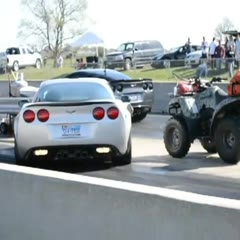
(19, 57)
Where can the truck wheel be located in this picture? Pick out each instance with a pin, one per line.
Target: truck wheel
(208, 145)
(176, 139)
(16, 66)
(38, 64)
(227, 137)
(127, 64)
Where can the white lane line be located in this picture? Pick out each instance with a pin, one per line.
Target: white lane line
(140, 188)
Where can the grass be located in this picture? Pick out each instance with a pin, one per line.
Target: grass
(49, 72)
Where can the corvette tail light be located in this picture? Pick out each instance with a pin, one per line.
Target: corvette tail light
(150, 86)
(145, 86)
(112, 113)
(98, 113)
(29, 116)
(119, 88)
(43, 115)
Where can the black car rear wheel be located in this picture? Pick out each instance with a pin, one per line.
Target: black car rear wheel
(139, 117)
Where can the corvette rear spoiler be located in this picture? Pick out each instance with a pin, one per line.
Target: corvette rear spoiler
(142, 80)
(65, 104)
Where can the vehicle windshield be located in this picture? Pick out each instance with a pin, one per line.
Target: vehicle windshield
(71, 92)
(126, 47)
(172, 50)
(12, 51)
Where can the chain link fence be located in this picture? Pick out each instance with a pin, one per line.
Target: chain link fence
(141, 67)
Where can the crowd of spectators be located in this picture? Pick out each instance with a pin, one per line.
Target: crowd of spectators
(219, 55)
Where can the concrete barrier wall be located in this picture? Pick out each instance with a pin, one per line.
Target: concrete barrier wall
(161, 90)
(44, 205)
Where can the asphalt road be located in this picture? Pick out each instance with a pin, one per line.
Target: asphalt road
(199, 172)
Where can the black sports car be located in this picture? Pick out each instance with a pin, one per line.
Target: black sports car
(139, 91)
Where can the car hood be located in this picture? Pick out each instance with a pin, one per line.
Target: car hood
(160, 56)
(198, 52)
(114, 53)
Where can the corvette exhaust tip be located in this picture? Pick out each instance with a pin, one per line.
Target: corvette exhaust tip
(41, 152)
(103, 150)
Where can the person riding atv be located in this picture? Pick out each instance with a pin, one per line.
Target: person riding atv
(200, 110)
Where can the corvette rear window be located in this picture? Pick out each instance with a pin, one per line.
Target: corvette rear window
(61, 92)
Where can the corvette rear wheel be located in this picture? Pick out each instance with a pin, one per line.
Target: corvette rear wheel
(19, 161)
(124, 159)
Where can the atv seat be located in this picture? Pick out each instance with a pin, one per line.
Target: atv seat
(220, 95)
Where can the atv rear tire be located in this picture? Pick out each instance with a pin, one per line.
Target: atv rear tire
(208, 145)
(227, 137)
(176, 139)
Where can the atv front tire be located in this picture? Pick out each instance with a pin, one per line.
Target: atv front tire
(176, 138)
(208, 145)
(227, 137)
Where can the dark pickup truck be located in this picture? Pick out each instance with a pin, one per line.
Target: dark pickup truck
(134, 54)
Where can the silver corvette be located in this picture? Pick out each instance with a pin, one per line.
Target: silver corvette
(74, 119)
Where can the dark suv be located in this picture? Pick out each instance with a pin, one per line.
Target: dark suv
(175, 57)
(134, 54)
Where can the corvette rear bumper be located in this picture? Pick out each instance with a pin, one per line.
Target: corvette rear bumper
(73, 152)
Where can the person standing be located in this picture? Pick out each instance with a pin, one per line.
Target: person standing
(202, 69)
(212, 48)
(237, 50)
(188, 46)
(230, 55)
(230, 59)
(204, 46)
(226, 47)
(219, 54)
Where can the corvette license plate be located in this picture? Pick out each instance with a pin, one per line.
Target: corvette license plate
(134, 97)
(70, 130)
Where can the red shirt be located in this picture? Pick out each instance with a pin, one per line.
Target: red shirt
(219, 52)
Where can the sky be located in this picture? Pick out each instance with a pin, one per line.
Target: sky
(116, 21)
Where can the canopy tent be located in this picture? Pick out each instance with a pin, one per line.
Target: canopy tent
(232, 32)
(88, 38)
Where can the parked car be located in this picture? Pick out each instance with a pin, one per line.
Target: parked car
(3, 62)
(140, 91)
(134, 54)
(19, 57)
(193, 58)
(175, 57)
